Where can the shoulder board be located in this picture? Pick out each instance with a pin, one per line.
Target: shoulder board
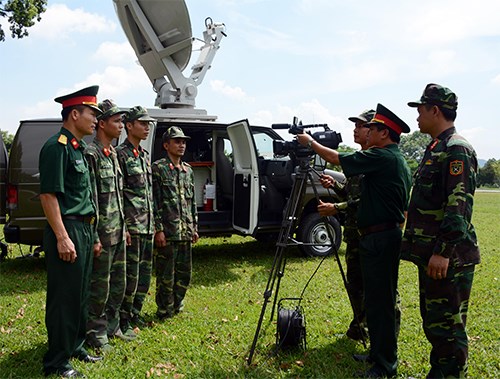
(458, 140)
(186, 164)
(63, 140)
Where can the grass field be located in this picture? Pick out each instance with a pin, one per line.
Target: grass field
(211, 338)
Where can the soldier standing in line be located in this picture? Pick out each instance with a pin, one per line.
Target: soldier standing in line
(350, 193)
(108, 274)
(439, 237)
(383, 203)
(69, 235)
(138, 208)
(176, 223)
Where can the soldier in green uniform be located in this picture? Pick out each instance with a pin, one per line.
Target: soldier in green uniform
(349, 193)
(108, 273)
(439, 236)
(176, 223)
(138, 208)
(383, 203)
(69, 235)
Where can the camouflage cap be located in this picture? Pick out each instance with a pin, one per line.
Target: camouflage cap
(174, 132)
(108, 109)
(365, 116)
(437, 95)
(138, 113)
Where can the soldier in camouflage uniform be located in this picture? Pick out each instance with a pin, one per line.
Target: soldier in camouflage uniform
(439, 237)
(138, 208)
(176, 223)
(349, 193)
(107, 286)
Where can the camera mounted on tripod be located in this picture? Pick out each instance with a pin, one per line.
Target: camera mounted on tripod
(327, 137)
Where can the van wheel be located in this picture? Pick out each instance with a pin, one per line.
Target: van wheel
(312, 229)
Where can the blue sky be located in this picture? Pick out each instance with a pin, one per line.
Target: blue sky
(319, 60)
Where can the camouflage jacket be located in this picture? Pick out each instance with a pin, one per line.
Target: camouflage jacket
(137, 188)
(174, 200)
(349, 193)
(440, 210)
(107, 185)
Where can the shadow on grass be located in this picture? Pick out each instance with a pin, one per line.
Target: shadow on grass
(23, 275)
(23, 364)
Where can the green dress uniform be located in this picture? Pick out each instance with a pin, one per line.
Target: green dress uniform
(64, 172)
(138, 209)
(439, 222)
(384, 198)
(175, 214)
(108, 274)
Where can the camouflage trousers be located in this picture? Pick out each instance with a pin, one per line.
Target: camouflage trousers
(173, 275)
(139, 266)
(107, 288)
(443, 307)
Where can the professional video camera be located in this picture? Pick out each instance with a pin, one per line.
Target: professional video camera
(328, 138)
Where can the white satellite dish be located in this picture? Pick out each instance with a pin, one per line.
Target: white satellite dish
(160, 33)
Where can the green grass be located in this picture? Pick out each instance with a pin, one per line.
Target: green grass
(211, 338)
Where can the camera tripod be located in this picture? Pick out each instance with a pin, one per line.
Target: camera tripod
(285, 239)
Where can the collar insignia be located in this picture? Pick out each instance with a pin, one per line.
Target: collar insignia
(75, 143)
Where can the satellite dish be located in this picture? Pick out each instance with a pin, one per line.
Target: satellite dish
(160, 33)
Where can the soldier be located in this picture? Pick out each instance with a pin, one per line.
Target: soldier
(383, 202)
(108, 274)
(176, 223)
(138, 206)
(350, 193)
(69, 235)
(439, 237)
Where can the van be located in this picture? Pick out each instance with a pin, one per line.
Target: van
(241, 187)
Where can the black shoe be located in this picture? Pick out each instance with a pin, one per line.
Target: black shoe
(163, 316)
(137, 320)
(362, 358)
(356, 333)
(374, 372)
(70, 373)
(90, 358)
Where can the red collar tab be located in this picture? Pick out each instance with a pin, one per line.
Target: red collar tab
(106, 151)
(75, 143)
(171, 166)
(387, 122)
(84, 100)
(136, 153)
(434, 143)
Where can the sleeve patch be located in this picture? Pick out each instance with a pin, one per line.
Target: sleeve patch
(456, 168)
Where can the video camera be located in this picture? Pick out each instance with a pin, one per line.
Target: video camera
(328, 138)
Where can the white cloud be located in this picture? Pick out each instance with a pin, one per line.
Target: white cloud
(496, 80)
(235, 93)
(59, 22)
(115, 53)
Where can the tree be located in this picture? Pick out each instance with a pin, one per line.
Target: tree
(489, 174)
(21, 14)
(7, 139)
(412, 147)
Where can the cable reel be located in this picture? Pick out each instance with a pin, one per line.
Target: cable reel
(291, 326)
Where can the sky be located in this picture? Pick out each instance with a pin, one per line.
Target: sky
(319, 60)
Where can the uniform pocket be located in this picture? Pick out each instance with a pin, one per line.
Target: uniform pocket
(107, 180)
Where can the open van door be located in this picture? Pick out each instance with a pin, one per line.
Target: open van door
(246, 178)
(3, 182)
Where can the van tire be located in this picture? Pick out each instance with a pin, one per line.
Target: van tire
(312, 230)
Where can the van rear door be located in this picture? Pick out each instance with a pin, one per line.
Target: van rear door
(246, 178)
(3, 182)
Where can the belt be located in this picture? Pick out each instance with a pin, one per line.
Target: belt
(85, 219)
(378, 228)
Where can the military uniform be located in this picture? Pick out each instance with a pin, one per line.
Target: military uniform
(108, 274)
(138, 209)
(384, 199)
(175, 214)
(439, 222)
(64, 172)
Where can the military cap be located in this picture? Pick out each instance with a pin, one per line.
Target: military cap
(108, 109)
(385, 117)
(365, 116)
(138, 113)
(86, 96)
(174, 132)
(437, 95)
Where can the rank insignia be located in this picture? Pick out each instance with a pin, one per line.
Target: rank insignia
(63, 140)
(136, 153)
(428, 162)
(456, 167)
(106, 151)
(75, 143)
(171, 166)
